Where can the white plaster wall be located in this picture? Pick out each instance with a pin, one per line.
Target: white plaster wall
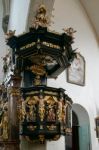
(18, 15)
(2, 43)
(69, 13)
(56, 145)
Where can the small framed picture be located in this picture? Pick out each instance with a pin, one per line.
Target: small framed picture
(76, 71)
(97, 126)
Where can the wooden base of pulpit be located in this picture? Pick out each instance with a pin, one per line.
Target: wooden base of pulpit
(9, 145)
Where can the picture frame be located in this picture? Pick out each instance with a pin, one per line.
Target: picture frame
(76, 71)
(97, 126)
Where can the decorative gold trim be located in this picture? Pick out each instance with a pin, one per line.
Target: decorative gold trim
(14, 91)
(27, 46)
(51, 45)
(39, 70)
(51, 93)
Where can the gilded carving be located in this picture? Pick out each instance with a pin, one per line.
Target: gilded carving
(3, 113)
(41, 138)
(14, 91)
(32, 93)
(51, 105)
(64, 113)
(69, 31)
(51, 45)
(32, 128)
(38, 70)
(29, 109)
(44, 43)
(51, 127)
(60, 109)
(4, 120)
(41, 108)
(28, 46)
(51, 93)
(9, 34)
(40, 112)
(37, 80)
(41, 18)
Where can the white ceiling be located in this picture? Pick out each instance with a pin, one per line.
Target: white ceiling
(92, 9)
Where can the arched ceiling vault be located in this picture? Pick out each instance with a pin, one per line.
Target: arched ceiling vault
(91, 8)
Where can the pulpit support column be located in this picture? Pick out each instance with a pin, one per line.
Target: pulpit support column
(13, 103)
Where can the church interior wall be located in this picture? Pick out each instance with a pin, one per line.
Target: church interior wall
(68, 13)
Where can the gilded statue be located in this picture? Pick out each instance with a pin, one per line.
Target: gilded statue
(60, 109)
(41, 18)
(37, 80)
(41, 107)
(29, 109)
(51, 105)
(51, 114)
(64, 112)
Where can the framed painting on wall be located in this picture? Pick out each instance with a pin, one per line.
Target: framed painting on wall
(76, 71)
(97, 126)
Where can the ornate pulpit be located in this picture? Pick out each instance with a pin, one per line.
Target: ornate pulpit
(36, 111)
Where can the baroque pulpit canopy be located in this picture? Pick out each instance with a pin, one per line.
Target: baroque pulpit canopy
(41, 47)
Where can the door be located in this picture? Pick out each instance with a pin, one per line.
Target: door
(75, 138)
(84, 138)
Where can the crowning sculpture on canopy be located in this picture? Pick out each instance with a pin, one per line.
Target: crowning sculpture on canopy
(41, 112)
